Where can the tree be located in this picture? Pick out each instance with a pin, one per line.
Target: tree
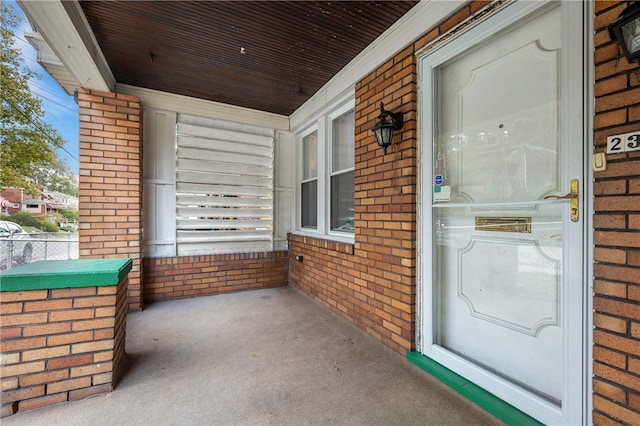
(58, 178)
(27, 143)
(70, 214)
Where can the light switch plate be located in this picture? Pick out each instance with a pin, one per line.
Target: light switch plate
(599, 162)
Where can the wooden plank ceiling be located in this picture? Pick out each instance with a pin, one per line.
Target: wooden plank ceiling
(266, 55)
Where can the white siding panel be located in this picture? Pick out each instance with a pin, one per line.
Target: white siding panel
(216, 167)
(205, 213)
(159, 156)
(205, 188)
(194, 249)
(285, 178)
(211, 154)
(223, 236)
(159, 206)
(213, 145)
(214, 123)
(186, 224)
(220, 201)
(199, 133)
(224, 181)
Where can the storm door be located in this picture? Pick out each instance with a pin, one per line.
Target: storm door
(502, 236)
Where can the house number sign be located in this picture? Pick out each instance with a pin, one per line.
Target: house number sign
(626, 142)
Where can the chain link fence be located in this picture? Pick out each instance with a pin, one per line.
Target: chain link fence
(27, 248)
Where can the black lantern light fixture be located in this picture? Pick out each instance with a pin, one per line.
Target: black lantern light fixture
(626, 31)
(384, 129)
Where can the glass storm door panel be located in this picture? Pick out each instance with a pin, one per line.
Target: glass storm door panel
(499, 231)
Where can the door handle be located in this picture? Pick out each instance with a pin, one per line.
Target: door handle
(573, 196)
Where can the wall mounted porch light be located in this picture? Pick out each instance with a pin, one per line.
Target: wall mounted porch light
(384, 129)
(626, 31)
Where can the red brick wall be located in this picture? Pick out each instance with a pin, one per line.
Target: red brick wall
(372, 283)
(111, 181)
(326, 272)
(616, 336)
(60, 345)
(189, 276)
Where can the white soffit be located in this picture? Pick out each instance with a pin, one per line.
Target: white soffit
(66, 31)
(407, 29)
(50, 62)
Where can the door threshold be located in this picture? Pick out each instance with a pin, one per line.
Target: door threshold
(474, 393)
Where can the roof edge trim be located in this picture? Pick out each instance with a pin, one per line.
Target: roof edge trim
(66, 30)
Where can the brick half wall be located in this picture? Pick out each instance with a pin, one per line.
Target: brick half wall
(190, 276)
(356, 285)
(60, 344)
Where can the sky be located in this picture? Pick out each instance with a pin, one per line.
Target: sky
(61, 109)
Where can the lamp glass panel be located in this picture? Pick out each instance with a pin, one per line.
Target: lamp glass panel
(378, 135)
(384, 136)
(631, 35)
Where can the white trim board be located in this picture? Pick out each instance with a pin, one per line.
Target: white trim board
(193, 106)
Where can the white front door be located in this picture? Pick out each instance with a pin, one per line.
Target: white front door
(502, 230)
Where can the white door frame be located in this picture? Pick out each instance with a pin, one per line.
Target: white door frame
(581, 52)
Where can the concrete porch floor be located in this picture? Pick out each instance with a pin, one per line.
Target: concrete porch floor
(260, 357)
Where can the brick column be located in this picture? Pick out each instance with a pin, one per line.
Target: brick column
(111, 181)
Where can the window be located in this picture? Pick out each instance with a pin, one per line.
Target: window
(327, 173)
(342, 173)
(309, 189)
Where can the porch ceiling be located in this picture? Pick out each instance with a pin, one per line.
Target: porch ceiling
(265, 55)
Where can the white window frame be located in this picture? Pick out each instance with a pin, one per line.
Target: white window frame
(320, 185)
(322, 123)
(329, 161)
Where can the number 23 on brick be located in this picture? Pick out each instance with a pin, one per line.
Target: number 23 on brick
(626, 142)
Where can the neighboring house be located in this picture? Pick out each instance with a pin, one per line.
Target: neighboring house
(486, 244)
(60, 201)
(37, 208)
(13, 200)
(56, 202)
